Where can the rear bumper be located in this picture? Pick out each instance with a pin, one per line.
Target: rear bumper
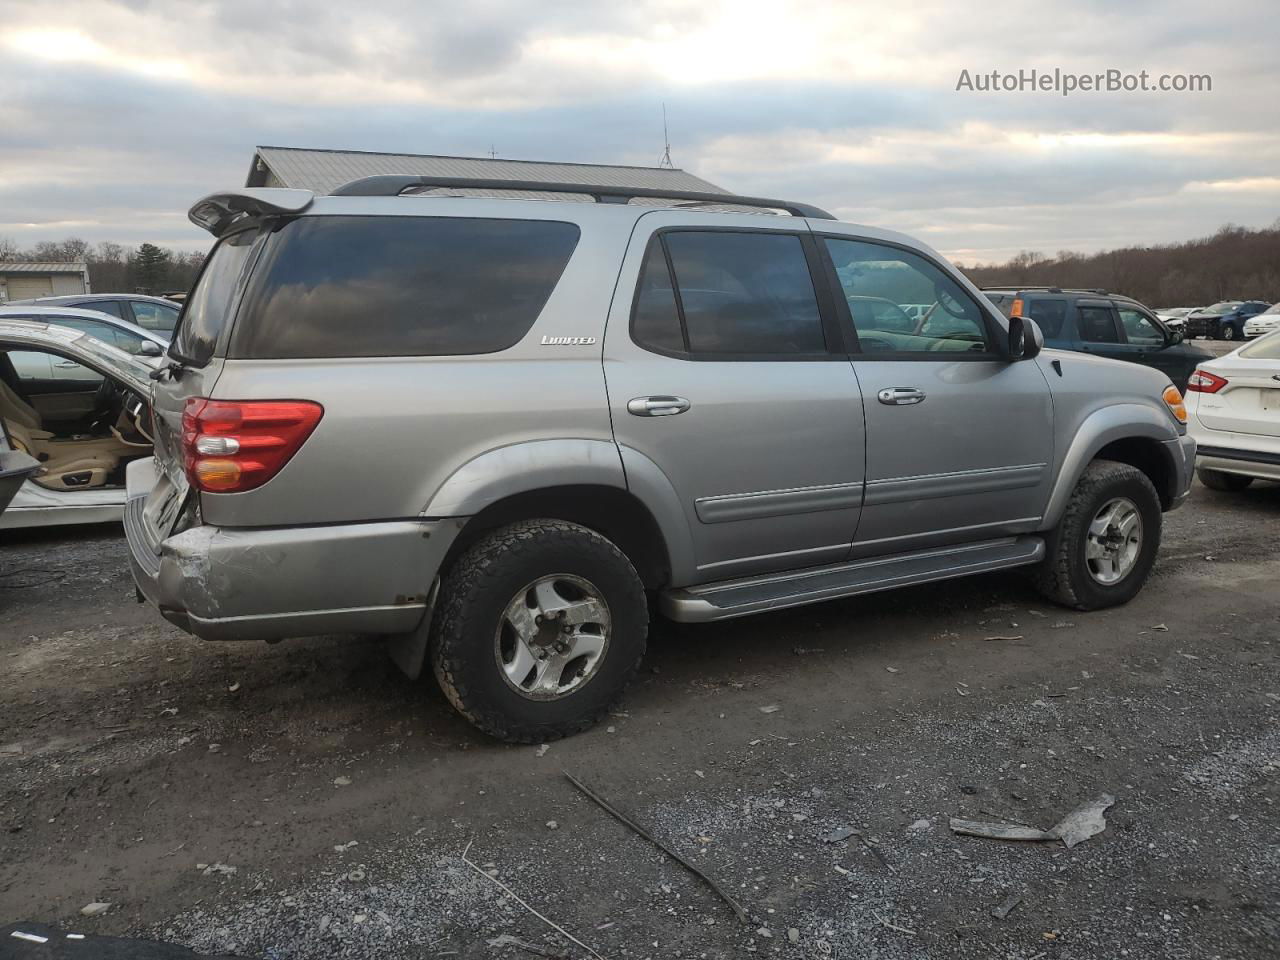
(266, 584)
(1182, 452)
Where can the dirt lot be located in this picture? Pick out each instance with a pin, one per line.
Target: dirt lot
(305, 800)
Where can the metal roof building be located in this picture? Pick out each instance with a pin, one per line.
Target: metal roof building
(323, 171)
(23, 281)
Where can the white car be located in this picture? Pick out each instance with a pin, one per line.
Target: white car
(82, 430)
(1175, 318)
(1233, 411)
(1264, 323)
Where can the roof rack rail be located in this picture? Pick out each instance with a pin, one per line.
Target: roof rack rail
(392, 185)
(1013, 287)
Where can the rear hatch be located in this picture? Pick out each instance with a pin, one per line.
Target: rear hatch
(1249, 402)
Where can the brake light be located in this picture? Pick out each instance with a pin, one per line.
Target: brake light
(1015, 309)
(229, 446)
(1202, 381)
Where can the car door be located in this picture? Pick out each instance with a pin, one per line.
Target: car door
(1147, 341)
(728, 382)
(959, 438)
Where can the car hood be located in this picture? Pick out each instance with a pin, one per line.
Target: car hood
(134, 371)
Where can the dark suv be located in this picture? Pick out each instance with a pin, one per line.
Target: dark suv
(1103, 324)
(1225, 320)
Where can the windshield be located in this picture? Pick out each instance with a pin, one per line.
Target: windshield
(1274, 308)
(112, 358)
(1264, 348)
(1218, 309)
(209, 307)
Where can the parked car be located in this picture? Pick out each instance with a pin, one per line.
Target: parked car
(1233, 411)
(150, 313)
(82, 432)
(1103, 324)
(433, 417)
(1263, 323)
(1175, 318)
(1225, 320)
(105, 327)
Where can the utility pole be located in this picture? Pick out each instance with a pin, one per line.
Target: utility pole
(665, 162)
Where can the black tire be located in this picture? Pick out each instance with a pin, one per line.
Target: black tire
(1225, 482)
(1228, 332)
(1064, 575)
(473, 597)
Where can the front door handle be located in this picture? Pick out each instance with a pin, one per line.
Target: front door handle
(657, 406)
(900, 396)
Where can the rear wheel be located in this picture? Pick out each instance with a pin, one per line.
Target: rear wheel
(1226, 482)
(1102, 550)
(539, 628)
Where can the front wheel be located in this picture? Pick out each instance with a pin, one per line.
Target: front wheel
(1225, 482)
(1102, 550)
(1228, 332)
(539, 627)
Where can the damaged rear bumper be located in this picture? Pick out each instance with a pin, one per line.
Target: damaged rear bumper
(266, 584)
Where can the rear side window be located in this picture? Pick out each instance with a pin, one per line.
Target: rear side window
(208, 308)
(1048, 315)
(103, 306)
(400, 286)
(735, 295)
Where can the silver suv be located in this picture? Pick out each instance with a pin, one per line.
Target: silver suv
(494, 429)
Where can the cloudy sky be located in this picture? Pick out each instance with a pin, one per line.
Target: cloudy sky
(115, 116)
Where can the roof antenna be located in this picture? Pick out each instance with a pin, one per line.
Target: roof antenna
(665, 163)
(493, 153)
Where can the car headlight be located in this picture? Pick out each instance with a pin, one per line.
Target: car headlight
(1173, 400)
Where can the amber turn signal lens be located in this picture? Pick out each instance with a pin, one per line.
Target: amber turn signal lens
(217, 474)
(1173, 400)
(1015, 309)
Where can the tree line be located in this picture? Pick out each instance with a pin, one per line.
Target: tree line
(1236, 263)
(114, 268)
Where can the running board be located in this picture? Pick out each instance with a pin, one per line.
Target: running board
(737, 598)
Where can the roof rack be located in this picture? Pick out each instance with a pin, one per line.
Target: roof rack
(1013, 287)
(392, 185)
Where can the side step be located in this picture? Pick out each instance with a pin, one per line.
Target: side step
(775, 591)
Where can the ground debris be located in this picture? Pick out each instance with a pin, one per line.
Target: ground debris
(94, 909)
(507, 940)
(1007, 906)
(1080, 824)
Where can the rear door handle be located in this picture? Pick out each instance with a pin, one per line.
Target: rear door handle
(900, 396)
(657, 406)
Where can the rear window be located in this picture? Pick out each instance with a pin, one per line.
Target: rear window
(208, 308)
(400, 286)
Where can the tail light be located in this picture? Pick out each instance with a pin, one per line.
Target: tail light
(1202, 381)
(229, 446)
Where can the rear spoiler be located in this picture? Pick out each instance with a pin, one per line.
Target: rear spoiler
(219, 212)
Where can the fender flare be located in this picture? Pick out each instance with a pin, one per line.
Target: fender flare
(651, 486)
(523, 467)
(1121, 421)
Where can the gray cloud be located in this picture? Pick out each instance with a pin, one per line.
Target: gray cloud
(115, 140)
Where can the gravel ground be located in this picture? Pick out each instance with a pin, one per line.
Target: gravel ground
(304, 800)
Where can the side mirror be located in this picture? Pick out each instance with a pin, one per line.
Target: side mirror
(149, 348)
(1176, 337)
(1025, 339)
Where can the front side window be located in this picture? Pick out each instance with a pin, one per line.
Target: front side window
(1097, 325)
(881, 283)
(209, 306)
(1139, 329)
(400, 286)
(746, 294)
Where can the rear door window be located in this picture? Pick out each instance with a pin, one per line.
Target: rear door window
(1097, 325)
(400, 286)
(748, 294)
(1048, 315)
